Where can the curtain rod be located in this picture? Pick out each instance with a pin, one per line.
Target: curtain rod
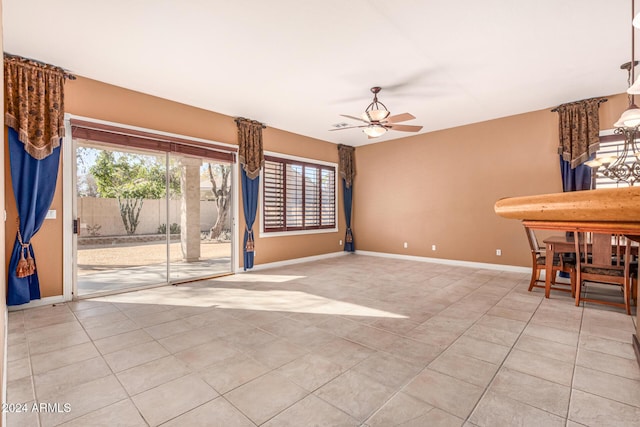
(600, 101)
(67, 74)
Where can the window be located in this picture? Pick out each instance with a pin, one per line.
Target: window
(610, 145)
(298, 195)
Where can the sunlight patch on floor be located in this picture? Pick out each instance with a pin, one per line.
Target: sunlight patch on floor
(248, 299)
(253, 278)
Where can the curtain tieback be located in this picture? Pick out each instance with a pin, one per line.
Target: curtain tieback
(349, 237)
(250, 243)
(26, 266)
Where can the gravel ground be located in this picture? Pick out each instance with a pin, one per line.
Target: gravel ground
(102, 257)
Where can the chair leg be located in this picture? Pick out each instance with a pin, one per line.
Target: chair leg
(535, 276)
(627, 294)
(578, 290)
(572, 279)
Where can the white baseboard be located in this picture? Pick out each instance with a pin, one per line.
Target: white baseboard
(58, 299)
(293, 261)
(454, 262)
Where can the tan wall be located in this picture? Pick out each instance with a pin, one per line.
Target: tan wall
(90, 98)
(106, 213)
(439, 188)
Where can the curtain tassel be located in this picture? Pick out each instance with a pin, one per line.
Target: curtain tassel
(349, 237)
(26, 266)
(250, 244)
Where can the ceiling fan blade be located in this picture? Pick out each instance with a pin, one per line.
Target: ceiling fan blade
(405, 128)
(354, 118)
(399, 118)
(349, 127)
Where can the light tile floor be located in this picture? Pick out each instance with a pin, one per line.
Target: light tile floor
(349, 341)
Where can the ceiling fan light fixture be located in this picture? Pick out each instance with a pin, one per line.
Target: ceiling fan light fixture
(374, 130)
(377, 119)
(375, 115)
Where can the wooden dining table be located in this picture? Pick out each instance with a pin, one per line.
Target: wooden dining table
(564, 243)
(609, 211)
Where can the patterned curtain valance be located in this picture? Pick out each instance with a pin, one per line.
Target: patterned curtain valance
(347, 166)
(250, 150)
(579, 130)
(34, 102)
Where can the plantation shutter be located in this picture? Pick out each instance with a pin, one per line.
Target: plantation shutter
(298, 195)
(328, 197)
(274, 207)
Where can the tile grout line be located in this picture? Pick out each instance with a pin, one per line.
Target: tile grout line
(110, 369)
(32, 375)
(445, 349)
(504, 360)
(575, 364)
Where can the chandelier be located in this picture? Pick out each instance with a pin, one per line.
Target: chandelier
(626, 166)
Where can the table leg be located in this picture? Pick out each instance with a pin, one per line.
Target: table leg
(548, 272)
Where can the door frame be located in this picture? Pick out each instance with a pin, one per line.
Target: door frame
(69, 171)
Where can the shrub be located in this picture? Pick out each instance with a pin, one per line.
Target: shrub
(173, 228)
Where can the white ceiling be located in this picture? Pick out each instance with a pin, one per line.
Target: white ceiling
(298, 64)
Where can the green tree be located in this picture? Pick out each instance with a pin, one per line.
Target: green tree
(131, 178)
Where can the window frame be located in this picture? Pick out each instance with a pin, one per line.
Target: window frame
(290, 159)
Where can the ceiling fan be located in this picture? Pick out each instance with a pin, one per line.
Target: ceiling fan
(378, 121)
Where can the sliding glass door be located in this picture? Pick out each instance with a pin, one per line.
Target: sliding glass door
(147, 217)
(200, 220)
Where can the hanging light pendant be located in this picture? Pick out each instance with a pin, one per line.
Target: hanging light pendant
(630, 118)
(625, 167)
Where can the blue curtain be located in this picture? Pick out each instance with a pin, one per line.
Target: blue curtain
(347, 191)
(34, 183)
(250, 205)
(575, 179)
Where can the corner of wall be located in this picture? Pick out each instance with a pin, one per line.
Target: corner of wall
(3, 281)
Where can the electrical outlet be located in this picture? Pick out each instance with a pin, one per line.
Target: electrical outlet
(340, 243)
(433, 247)
(499, 252)
(406, 245)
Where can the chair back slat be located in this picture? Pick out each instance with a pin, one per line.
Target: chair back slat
(533, 241)
(602, 249)
(604, 260)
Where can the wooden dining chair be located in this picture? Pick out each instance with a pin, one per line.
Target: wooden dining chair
(606, 259)
(539, 260)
